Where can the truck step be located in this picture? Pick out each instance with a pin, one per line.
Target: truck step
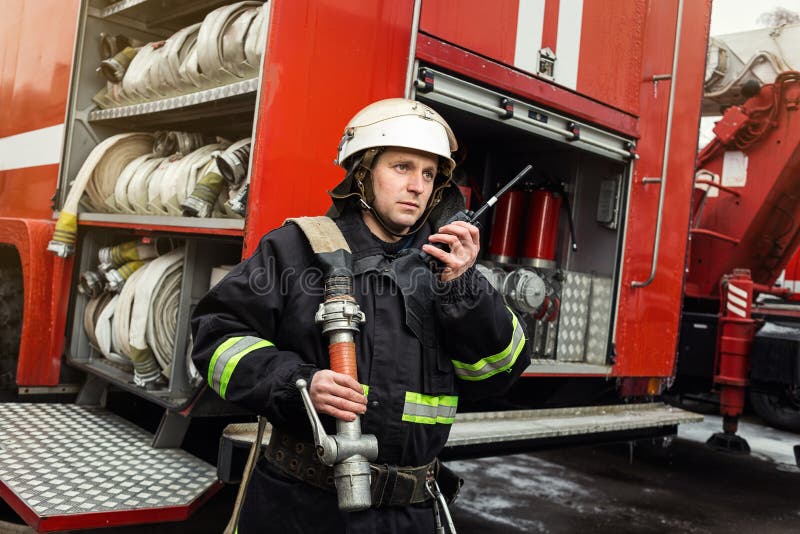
(64, 466)
(508, 431)
(493, 433)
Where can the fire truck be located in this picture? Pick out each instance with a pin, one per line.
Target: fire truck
(147, 145)
(739, 331)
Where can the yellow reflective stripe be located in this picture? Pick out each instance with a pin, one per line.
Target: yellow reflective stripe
(496, 363)
(225, 358)
(231, 365)
(366, 389)
(217, 353)
(429, 409)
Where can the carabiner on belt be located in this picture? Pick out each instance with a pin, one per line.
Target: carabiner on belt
(432, 488)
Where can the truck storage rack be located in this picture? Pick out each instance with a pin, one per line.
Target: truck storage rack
(65, 466)
(481, 434)
(163, 14)
(202, 254)
(245, 90)
(161, 223)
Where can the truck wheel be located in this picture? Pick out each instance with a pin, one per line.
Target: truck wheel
(779, 408)
(10, 315)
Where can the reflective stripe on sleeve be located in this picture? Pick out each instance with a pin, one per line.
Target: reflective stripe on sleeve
(225, 358)
(429, 409)
(491, 365)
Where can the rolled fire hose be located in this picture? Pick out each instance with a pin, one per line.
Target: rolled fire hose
(140, 183)
(120, 204)
(206, 192)
(183, 175)
(190, 70)
(165, 74)
(63, 242)
(146, 367)
(100, 188)
(162, 316)
(152, 204)
(116, 278)
(178, 48)
(210, 48)
(110, 44)
(114, 68)
(92, 284)
(236, 205)
(159, 78)
(117, 255)
(137, 84)
(102, 331)
(234, 161)
(234, 38)
(121, 322)
(131, 179)
(170, 142)
(256, 38)
(91, 313)
(97, 321)
(227, 46)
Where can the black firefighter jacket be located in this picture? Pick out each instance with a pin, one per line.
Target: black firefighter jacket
(424, 343)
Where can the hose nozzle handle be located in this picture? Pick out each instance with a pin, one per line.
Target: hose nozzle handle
(349, 452)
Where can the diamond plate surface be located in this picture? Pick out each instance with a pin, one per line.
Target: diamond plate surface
(573, 317)
(599, 320)
(63, 459)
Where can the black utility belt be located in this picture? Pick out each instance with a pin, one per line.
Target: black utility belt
(391, 485)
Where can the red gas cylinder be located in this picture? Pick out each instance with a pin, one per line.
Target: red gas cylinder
(508, 213)
(541, 237)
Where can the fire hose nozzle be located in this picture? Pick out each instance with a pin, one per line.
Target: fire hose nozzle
(349, 452)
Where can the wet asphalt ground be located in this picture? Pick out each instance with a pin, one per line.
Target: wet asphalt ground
(624, 488)
(642, 488)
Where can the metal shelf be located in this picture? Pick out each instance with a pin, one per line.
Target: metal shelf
(187, 225)
(215, 94)
(168, 14)
(124, 380)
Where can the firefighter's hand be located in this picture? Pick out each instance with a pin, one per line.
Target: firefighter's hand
(464, 241)
(337, 394)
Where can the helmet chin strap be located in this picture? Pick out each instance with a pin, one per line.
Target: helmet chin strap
(362, 171)
(411, 231)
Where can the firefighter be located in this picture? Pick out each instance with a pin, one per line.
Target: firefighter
(430, 338)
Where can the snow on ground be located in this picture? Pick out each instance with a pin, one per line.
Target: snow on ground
(767, 443)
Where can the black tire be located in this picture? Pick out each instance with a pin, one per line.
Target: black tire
(11, 300)
(779, 408)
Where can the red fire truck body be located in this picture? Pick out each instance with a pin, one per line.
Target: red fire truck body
(602, 98)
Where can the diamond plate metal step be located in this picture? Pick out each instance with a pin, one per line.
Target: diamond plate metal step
(521, 425)
(64, 466)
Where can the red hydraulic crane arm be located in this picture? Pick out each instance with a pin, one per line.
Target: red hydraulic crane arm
(756, 153)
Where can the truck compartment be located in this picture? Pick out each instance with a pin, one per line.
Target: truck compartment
(146, 133)
(552, 244)
(170, 295)
(155, 67)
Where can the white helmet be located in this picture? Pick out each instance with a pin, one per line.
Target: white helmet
(399, 122)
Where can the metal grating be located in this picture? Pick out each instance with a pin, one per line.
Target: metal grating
(599, 320)
(62, 459)
(574, 314)
(496, 427)
(249, 86)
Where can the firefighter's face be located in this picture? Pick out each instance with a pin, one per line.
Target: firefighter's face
(402, 181)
